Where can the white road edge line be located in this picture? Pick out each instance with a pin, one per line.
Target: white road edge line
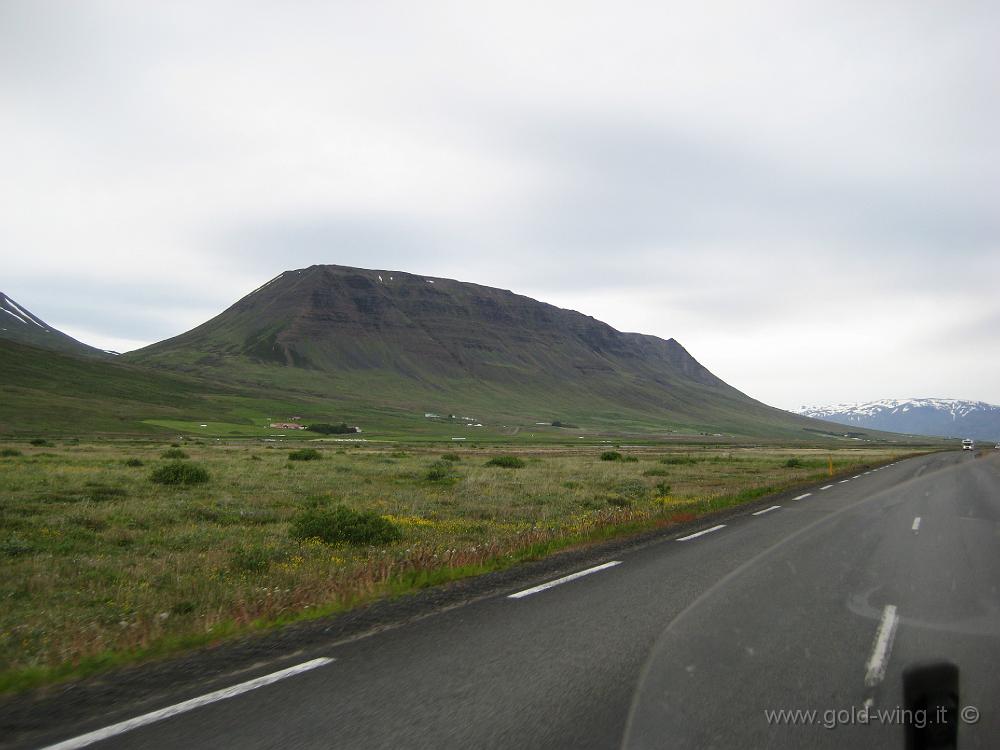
(916, 524)
(178, 708)
(843, 481)
(701, 533)
(883, 646)
(766, 510)
(564, 579)
(827, 487)
(803, 497)
(857, 477)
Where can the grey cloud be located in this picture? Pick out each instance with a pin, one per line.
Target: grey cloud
(633, 185)
(144, 311)
(294, 241)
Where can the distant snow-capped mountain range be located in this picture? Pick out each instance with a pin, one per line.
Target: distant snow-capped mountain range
(944, 417)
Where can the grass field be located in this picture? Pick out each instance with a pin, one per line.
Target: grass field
(100, 565)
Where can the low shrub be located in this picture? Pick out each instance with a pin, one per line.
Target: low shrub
(96, 492)
(90, 523)
(678, 460)
(332, 429)
(438, 471)
(617, 501)
(793, 463)
(632, 488)
(133, 462)
(15, 547)
(451, 457)
(41, 442)
(341, 525)
(507, 462)
(250, 559)
(630, 459)
(10, 452)
(174, 453)
(611, 456)
(179, 472)
(304, 454)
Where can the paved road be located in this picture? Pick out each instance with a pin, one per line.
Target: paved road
(817, 604)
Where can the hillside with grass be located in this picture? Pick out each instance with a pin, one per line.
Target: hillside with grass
(422, 345)
(51, 393)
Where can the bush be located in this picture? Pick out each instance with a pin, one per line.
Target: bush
(133, 462)
(250, 559)
(340, 525)
(95, 492)
(332, 429)
(507, 462)
(41, 442)
(451, 457)
(611, 456)
(90, 523)
(633, 489)
(179, 472)
(174, 453)
(9, 452)
(304, 454)
(793, 463)
(438, 471)
(14, 547)
(617, 501)
(678, 460)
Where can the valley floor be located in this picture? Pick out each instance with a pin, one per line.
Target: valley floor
(102, 565)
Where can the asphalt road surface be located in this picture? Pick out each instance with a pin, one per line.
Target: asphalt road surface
(814, 604)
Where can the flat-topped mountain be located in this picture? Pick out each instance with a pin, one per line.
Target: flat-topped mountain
(435, 344)
(19, 324)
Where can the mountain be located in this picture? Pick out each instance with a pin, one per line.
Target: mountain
(432, 345)
(942, 417)
(17, 323)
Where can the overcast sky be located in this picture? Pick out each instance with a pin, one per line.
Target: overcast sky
(805, 195)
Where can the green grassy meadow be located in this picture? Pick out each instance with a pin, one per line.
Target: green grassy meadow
(101, 566)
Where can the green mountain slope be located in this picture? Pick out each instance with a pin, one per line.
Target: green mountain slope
(45, 392)
(17, 323)
(386, 339)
